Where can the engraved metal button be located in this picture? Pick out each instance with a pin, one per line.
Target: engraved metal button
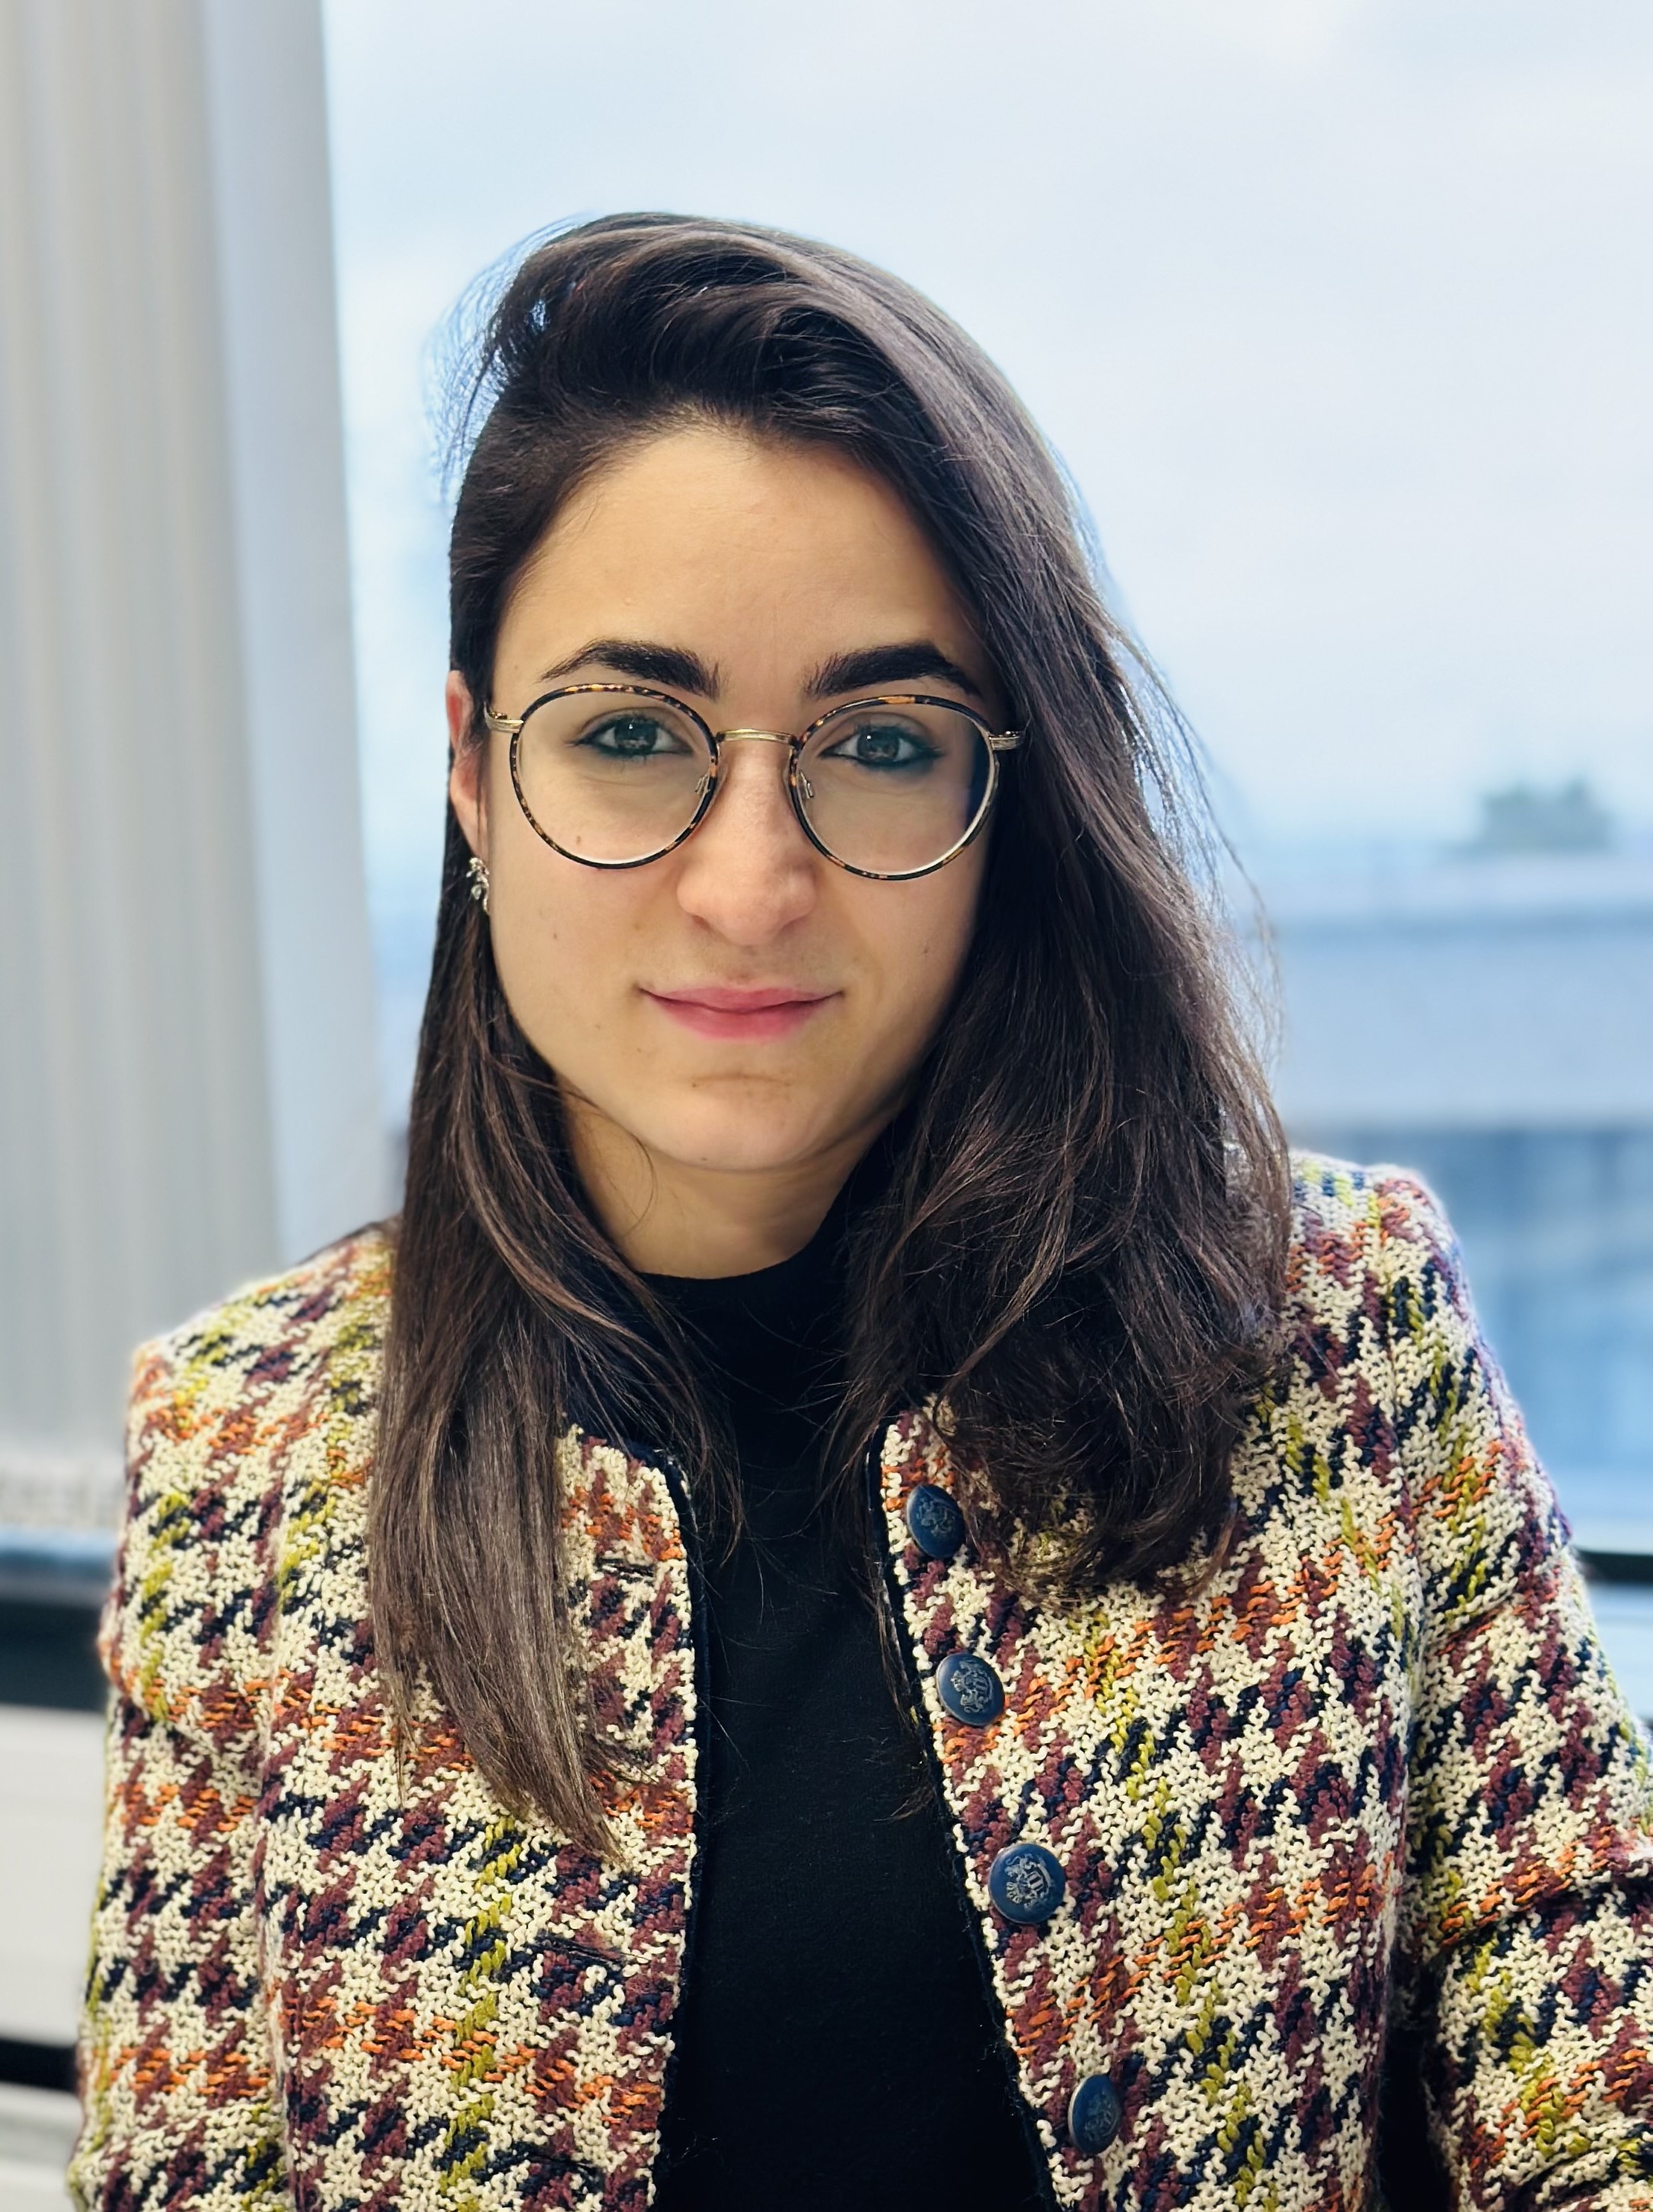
(1026, 1883)
(1094, 2114)
(934, 1521)
(969, 1689)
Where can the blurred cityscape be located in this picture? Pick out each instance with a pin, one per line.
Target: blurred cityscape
(210, 1002)
(1485, 1017)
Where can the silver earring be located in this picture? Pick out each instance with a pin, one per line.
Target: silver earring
(478, 872)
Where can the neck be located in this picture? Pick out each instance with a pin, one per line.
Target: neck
(672, 1216)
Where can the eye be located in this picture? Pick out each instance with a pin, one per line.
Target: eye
(632, 736)
(882, 743)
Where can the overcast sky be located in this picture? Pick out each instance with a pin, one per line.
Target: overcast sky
(1340, 312)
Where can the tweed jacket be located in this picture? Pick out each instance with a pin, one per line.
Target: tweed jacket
(1374, 1775)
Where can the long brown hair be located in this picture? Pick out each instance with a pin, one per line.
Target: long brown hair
(1080, 1248)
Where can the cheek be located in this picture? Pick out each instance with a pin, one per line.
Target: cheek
(564, 940)
(920, 942)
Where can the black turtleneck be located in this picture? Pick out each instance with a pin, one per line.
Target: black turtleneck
(836, 2045)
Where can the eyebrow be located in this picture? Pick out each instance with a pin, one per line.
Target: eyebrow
(889, 664)
(648, 662)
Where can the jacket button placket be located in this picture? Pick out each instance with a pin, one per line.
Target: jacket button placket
(1025, 1881)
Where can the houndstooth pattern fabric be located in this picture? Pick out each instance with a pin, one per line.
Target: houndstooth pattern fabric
(308, 1986)
(1374, 1769)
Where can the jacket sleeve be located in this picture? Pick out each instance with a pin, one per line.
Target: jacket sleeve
(174, 2049)
(1526, 1943)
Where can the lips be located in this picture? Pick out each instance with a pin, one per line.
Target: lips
(733, 999)
(719, 1010)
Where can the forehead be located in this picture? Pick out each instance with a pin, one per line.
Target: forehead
(738, 545)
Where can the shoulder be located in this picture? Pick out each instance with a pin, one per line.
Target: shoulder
(264, 1351)
(235, 1417)
(1375, 1285)
(1350, 1223)
(1383, 1340)
(1374, 1266)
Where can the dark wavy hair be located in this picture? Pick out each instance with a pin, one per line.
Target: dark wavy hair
(1079, 1255)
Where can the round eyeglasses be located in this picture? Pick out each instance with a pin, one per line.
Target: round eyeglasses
(615, 775)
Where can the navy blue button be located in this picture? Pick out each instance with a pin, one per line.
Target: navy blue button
(1026, 1883)
(1094, 2114)
(934, 1521)
(970, 1689)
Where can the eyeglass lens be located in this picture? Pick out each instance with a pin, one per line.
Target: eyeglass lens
(619, 776)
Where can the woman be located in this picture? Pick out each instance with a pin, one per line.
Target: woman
(869, 1600)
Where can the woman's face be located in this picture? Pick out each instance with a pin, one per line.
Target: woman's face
(740, 1007)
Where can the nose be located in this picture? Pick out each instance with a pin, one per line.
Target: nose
(749, 872)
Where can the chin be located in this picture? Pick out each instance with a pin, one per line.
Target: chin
(753, 1140)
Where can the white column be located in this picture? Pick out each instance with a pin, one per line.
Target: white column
(186, 1079)
(267, 100)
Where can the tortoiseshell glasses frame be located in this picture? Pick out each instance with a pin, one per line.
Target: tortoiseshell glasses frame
(995, 741)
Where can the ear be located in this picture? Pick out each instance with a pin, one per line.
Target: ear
(467, 784)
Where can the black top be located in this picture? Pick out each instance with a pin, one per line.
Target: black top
(836, 2045)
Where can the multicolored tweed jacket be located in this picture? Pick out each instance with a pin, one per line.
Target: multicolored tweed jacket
(1375, 1771)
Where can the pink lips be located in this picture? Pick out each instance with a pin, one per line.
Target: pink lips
(713, 1010)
